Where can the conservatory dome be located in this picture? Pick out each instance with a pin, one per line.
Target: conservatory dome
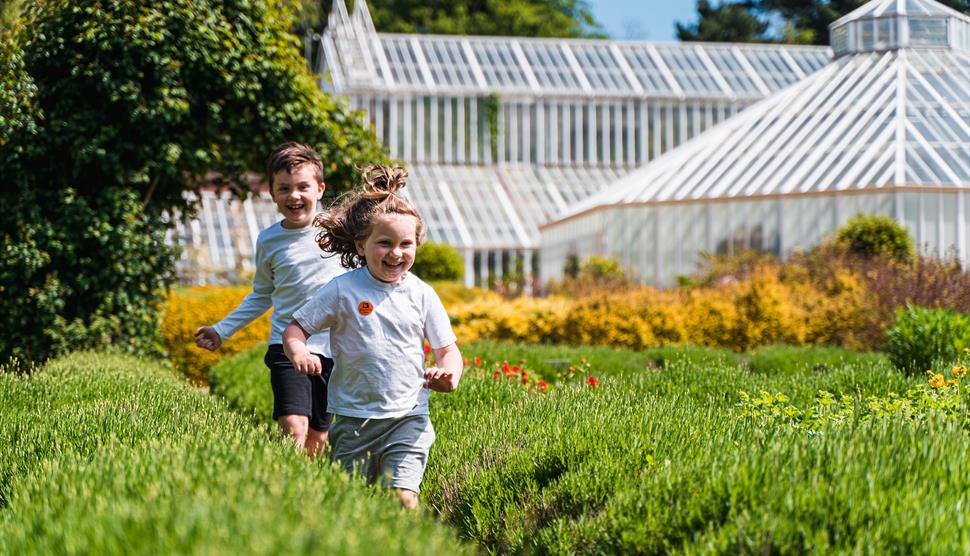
(892, 24)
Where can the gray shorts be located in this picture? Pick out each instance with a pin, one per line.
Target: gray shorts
(392, 450)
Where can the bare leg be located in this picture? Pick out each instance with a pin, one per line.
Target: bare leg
(315, 441)
(408, 498)
(296, 427)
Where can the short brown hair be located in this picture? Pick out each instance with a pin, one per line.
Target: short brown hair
(291, 155)
(352, 219)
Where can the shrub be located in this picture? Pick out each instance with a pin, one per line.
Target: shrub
(438, 261)
(922, 337)
(602, 268)
(186, 310)
(243, 381)
(875, 236)
(111, 113)
(91, 275)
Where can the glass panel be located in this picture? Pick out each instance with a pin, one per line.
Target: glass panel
(840, 40)
(448, 64)
(499, 65)
(689, 71)
(600, 68)
(403, 62)
(736, 76)
(885, 32)
(643, 66)
(867, 34)
(927, 31)
(550, 66)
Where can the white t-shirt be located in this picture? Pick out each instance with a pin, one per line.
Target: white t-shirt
(377, 333)
(290, 267)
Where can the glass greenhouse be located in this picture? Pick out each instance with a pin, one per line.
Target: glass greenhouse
(883, 129)
(500, 134)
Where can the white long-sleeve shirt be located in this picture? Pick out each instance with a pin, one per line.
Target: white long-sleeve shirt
(290, 268)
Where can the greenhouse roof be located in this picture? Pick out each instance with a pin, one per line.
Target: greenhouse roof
(359, 61)
(497, 206)
(899, 118)
(888, 8)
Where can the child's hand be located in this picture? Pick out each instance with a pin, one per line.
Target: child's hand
(307, 364)
(439, 379)
(206, 337)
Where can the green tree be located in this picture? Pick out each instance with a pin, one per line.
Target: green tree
(726, 22)
(788, 21)
(114, 111)
(525, 18)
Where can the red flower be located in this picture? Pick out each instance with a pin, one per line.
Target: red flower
(542, 385)
(427, 348)
(478, 362)
(496, 375)
(525, 380)
(515, 369)
(593, 381)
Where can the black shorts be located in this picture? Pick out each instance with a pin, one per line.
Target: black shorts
(298, 394)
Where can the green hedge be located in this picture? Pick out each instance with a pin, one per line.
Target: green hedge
(661, 458)
(105, 454)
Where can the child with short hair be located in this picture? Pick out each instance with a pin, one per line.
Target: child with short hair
(379, 316)
(289, 269)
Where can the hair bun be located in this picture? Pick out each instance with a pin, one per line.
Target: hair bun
(382, 178)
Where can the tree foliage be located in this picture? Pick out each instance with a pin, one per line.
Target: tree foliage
(726, 22)
(114, 111)
(787, 21)
(527, 18)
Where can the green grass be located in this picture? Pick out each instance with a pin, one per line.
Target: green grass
(658, 463)
(659, 459)
(105, 454)
(782, 359)
(549, 360)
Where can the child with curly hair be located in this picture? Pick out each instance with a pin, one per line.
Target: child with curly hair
(379, 316)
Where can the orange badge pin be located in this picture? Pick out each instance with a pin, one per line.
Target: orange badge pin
(365, 307)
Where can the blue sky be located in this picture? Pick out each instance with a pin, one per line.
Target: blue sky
(651, 20)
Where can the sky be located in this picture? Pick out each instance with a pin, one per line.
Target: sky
(651, 20)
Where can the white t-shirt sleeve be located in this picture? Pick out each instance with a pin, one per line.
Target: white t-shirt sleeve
(320, 313)
(437, 325)
(255, 304)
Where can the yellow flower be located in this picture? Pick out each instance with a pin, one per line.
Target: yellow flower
(959, 370)
(966, 350)
(951, 382)
(937, 381)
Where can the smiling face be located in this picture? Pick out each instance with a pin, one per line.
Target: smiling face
(296, 195)
(390, 247)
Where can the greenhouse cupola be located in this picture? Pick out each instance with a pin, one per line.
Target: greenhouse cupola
(893, 24)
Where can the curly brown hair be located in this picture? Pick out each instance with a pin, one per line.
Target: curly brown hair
(290, 156)
(352, 217)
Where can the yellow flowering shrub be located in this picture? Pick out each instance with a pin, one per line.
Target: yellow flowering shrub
(523, 319)
(771, 305)
(186, 309)
(637, 318)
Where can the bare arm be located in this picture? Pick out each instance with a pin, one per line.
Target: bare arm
(444, 377)
(294, 346)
